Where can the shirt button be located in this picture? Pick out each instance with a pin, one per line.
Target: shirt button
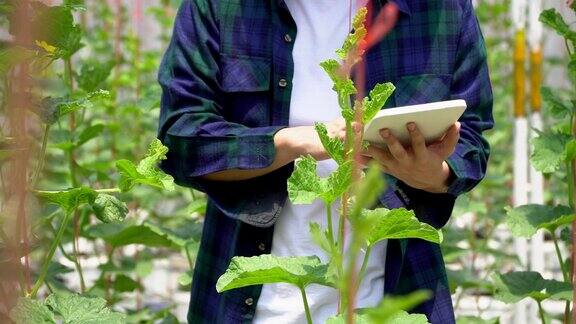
(249, 301)
(288, 38)
(282, 83)
(262, 247)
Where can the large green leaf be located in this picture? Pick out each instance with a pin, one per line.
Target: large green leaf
(109, 209)
(29, 310)
(264, 269)
(77, 309)
(549, 151)
(376, 100)
(334, 146)
(400, 317)
(398, 224)
(525, 220)
(69, 199)
(512, 287)
(146, 234)
(93, 74)
(147, 171)
(554, 20)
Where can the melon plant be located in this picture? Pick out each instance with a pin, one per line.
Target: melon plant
(357, 191)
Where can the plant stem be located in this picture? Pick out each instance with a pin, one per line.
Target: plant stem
(306, 307)
(50, 255)
(190, 263)
(565, 274)
(329, 222)
(541, 311)
(36, 174)
(364, 264)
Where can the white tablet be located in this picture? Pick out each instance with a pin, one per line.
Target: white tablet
(433, 120)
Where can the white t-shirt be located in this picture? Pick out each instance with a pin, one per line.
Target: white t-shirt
(322, 27)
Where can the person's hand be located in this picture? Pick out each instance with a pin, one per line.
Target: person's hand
(419, 166)
(303, 140)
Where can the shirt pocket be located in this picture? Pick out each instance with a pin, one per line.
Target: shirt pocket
(422, 88)
(245, 83)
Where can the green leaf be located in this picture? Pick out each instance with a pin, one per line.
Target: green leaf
(51, 109)
(557, 107)
(55, 26)
(185, 279)
(109, 209)
(304, 185)
(75, 308)
(334, 146)
(393, 308)
(264, 269)
(549, 151)
(524, 221)
(320, 237)
(146, 234)
(376, 100)
(337, 183)
(476, 320)
(570, 150)
(89, 133)
(13, 56)
(398, 224)
(353, 39)
(554, 20)
(93, 74)
(147, 171)
(371, 186)
(512, 287)
(69, 199)
(123, 283)
(343, 85)
(29, 310)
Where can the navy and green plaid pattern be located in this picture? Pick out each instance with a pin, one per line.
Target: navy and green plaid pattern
(226, 80)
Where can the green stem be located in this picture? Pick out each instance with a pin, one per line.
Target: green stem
(560, 258)
(364, 264)
(42, 157)
(306, 307)
(50, 255)
(190, 263)
(541, 311)
(108, 190)
(329, 222)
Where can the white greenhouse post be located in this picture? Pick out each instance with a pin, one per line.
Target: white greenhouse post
(520, 138)
(536, 178)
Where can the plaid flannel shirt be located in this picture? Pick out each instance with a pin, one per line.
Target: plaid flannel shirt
(226, 80)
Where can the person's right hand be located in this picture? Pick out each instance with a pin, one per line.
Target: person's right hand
(303, 140)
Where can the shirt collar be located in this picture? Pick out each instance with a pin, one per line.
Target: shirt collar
(402, 5)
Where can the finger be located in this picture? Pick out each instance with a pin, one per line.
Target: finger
(396, 149)
(450, 140)
(418, 141)
(383, 157)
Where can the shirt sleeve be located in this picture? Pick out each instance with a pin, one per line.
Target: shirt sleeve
(191, 124)
(468, 163)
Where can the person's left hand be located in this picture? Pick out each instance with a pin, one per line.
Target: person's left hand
(419, 166)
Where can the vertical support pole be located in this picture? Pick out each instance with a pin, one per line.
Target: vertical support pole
(536, 178)
(520, 139)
